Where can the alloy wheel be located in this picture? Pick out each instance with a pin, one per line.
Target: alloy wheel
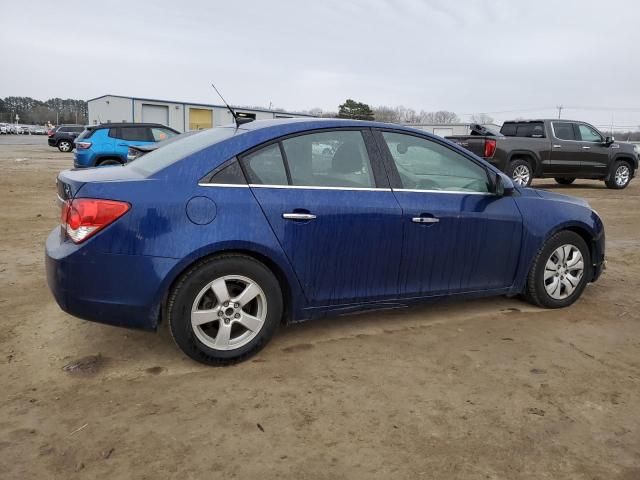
(229, 312)
(521, 175)
(622, 175)
(563, 271)
(65, 146)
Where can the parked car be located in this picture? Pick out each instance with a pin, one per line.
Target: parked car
(228, 232)
(136, 151)
(39, 131)
(4, 129)
(23, 130)
(108, 144)
(63, 137)
(560, 149)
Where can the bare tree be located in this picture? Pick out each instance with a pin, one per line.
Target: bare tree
(481, 118)
(441, 116)
(383, 113)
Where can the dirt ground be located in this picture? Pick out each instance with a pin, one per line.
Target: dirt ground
(491, 389)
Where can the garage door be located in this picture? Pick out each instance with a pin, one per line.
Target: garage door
(200, 118)
(155, 114)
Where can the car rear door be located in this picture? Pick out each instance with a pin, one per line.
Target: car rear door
(566, 151)
(333, 213)
(594, 158)
(457, 236)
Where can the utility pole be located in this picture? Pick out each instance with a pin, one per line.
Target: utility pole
(559, 107)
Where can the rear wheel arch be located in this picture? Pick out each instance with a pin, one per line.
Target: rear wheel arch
(278, 272)
(525, 155)
(101, 160)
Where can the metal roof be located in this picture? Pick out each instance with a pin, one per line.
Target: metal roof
(210, 105)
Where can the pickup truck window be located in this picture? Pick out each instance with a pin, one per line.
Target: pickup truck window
(528, 129)
(426, 165)
(588, 134)
(563, 130)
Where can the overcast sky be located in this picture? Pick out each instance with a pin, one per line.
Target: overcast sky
(519, 58)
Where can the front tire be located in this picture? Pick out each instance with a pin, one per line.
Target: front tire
(560, 271)
(65, 146)
(565, 180)
(224, 309)
(621, 173)
(520, 172)
(109, 162)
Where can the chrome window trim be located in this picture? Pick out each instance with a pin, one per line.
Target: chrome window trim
(309, 187)
(224, 185)
(415, 190)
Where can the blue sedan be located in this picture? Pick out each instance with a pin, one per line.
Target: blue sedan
(229, 232)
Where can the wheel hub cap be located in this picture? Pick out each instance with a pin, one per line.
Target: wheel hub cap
(622, 175)
(521, 175)
(228, 312)
(563, 271)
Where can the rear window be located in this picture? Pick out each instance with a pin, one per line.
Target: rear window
(86, 134)
(529, 129)
(181, 147)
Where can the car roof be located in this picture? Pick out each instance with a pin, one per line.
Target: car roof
(127, 124)
(312, 123)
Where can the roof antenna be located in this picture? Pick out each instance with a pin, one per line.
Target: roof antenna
(236, 118)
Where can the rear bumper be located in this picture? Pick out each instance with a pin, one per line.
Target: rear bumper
(83, 159)
(51, 141)
(121, 290)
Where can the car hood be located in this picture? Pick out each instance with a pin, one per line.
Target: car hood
(560, 197)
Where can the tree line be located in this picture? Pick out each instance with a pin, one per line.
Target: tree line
(37, 112)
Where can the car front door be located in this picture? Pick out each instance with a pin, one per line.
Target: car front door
(566, 151)
(457, 235)
(327, 199)
(594, 159)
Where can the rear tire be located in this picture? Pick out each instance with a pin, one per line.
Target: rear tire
(565, 181)
(621, 173)
(560, 271)
(65, 146)
(520, 172)
(224, 309)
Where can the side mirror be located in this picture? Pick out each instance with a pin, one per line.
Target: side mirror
(609, 140)
(502, 185)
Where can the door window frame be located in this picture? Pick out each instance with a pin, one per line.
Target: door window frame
(392, 170)
(378, 170)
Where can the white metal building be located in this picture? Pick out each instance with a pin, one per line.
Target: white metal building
(449, 129)
(183, 116)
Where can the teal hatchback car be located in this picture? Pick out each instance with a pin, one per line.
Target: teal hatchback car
(108, 143)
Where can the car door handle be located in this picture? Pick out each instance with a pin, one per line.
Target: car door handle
(425, 220)
(298, 216)
(585, 147)
(557, 146)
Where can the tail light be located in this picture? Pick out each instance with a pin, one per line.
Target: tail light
(489, 148)
(82, 218)
(82, 145)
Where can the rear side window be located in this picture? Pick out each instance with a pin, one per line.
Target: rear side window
(142, 134)
(529, 129)
(88, 133)
(77, 129)
(160, 134)
(229, 175)
(564, 130)
(266, 166)
(329, 159)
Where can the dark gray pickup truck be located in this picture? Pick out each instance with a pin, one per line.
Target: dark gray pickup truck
(560, 149)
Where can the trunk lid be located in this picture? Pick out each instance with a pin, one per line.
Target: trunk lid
(69, 182)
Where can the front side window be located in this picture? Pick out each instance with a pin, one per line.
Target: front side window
(160, 134)
(588, 134)
(427, 165)
(329, 159)
(140, 134)
(564, 130)
(266, 166)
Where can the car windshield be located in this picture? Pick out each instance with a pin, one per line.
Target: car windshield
(181, 147)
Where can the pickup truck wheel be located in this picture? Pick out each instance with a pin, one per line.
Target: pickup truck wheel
(560, 271)
(565, 181)
(520, 172)
(65, 146)
(621, 173)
